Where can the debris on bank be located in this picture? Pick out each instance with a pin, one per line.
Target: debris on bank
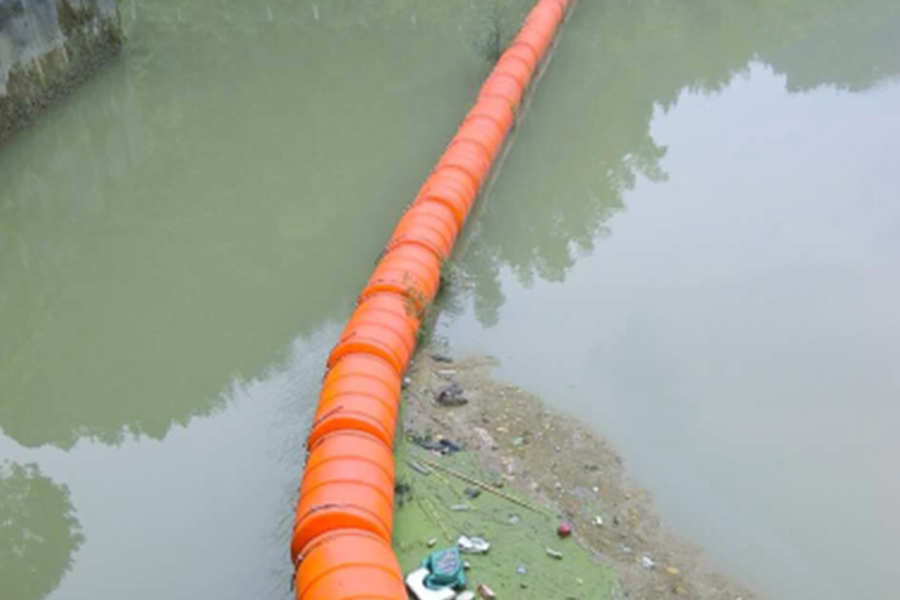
(499, 497)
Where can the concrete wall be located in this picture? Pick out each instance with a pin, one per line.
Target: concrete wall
(45, 46)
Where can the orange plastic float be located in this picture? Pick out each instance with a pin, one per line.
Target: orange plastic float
(517, 67)
(470, 158)
(497, 109)
(349, 565)
(429, 224)
(483, 131)
(355, 413)
(505, 86)
(409, 271)
(348, 484)
(359, 386)
(343, 526)
(450, 187)
(523, 52)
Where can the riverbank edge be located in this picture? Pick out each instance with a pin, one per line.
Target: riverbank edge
(512, 439)
(89, 35)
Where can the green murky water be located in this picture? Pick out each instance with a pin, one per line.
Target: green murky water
(691, 246)
(180, 242)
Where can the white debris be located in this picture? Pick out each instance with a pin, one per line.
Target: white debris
(473, 545)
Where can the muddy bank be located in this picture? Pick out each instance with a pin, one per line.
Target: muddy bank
(45, 47)
(539, 468)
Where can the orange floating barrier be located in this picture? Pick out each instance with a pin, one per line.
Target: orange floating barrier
(354, 413)
(505, 86)
(410, 271)
(547, 16)
(535, 38)
(498, 110)
(523, 52)
(359, 385)
(430, 224)
(348, 484)
(389, 310)
(368, 367)
(344, 520)
(484, 131)
(452, 188)
(517, 67)
(377, 340)
(349, 565)
(468, 157)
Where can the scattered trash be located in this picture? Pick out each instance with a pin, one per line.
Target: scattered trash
(427, 443)
(451, 395)
(485, 437)
(522, 570)
(486, 592)
(514, 519)
(483, 486)
(473, 545)
(466, 596)
(595, 489)
(442, 446)
(554, 554)
(450, 446)
(467, 565)
(406, 382)
(444, 569)
(672, 570)
(459, 507)
(564, 530)
(625, 549)
(471, 493)
(418, 467)
(598, 521)
(441, 358)
(415, 581)
(647, 562)
(432, 542)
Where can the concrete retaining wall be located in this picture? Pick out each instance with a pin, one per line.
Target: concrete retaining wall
(47, 45)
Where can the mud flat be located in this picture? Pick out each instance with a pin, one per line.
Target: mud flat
(477, 457)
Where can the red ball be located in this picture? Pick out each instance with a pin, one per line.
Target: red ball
(564, 530)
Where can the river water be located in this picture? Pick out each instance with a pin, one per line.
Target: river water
(690, 246)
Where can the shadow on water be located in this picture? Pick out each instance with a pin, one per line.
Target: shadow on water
(39, 531)
(634, 59)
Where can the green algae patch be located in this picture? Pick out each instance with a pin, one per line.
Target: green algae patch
(433, 510)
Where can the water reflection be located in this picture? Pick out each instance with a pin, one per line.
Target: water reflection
(38, 532)
(223, 188)
(733, 334)
(621, 64)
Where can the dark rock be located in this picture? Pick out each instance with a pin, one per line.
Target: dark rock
(451, 395)
(471, 493)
